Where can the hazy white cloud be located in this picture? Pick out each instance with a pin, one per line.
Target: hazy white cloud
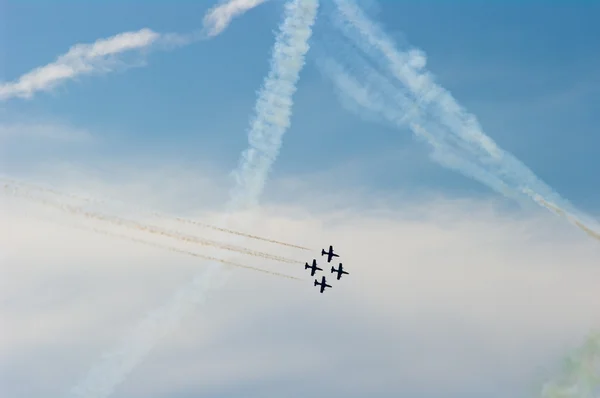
(43, 130)
(446, 297)
(218, 18)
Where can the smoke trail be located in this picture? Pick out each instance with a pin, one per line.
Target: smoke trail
(580, 376)
(273, 110)
(218, 18)
(460, 142)
(154, 213)
(274, 104)
(141, 227)
(180, 251)
(393, 106)
(229, 231)
(91, 58)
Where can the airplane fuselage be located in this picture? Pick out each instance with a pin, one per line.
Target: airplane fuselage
(330, 254)
(323, 284)
(312, 267)
(339, 271)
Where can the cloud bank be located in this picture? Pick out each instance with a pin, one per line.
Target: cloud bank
(455, 291)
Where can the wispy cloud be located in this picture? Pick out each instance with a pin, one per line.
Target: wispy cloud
(412, 99)
(272, 119)
(81, 59)
(99, 57)
(102, 56)
(218, 18)
(43, 130)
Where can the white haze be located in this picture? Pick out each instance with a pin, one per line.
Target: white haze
(446, 297)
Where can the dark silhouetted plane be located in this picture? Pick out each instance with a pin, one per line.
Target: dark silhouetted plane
(313, 267)
(323, 283)
(339, 271)
(329, 253)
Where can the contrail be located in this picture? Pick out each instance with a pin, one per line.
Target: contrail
(580, 375)
(218, 18)
(90, 58)
(101, 56)
(154, 213)
(274, 104)
(557, 210)
(394, 107)
(145, 228)
(433, 114)
(273, 111)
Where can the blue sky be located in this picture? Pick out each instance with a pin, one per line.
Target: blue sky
(527, 71)
(173, 124)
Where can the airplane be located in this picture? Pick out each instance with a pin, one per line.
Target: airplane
(313, 267)
(323, 284)
(339, 271)
(329, 254)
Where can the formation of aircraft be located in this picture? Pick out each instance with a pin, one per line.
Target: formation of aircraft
(314, 268)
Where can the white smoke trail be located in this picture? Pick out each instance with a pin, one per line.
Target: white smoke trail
(101, 57)
(218, 18)
(273, 110)
(87, 59)
(428, 109)
(379, 97)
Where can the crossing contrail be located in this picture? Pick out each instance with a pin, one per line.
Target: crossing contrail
(118, 221)
(404, 93)
(273, 112)
(183, 220)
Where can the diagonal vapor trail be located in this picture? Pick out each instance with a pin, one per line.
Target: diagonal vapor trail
(16, 191)
(102, 56)
(273, 112)
(432, 113)
(220, 16)
(86, 199)
(91, 58)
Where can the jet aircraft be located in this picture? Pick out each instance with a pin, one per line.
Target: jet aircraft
(323, 283)
(313, 267)
(329, 254)
(339, 271)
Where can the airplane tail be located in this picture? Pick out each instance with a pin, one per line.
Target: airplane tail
(306, 266)
(322, 252)
(332, 269)
(316, 283)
